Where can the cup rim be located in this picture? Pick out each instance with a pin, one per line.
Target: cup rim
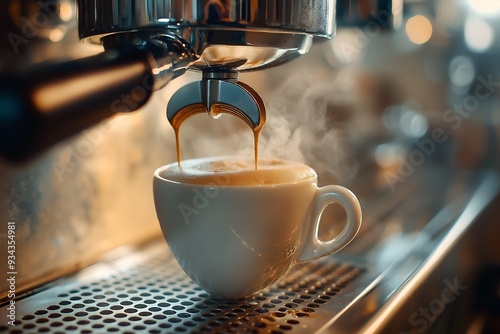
(274, 185)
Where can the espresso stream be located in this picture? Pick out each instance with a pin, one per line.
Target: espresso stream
(215, 112)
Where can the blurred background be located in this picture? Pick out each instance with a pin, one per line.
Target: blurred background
(402, 105)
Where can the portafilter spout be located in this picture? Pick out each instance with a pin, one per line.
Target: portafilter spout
(218, 92)
(147, 44)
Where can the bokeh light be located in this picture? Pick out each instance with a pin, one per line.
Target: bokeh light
(485, 7)
(478, 34)
(419, 29)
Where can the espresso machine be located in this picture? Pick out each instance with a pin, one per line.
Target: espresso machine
(147, 44)
(395, 99)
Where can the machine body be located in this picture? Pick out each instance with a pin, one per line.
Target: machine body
(147, 44)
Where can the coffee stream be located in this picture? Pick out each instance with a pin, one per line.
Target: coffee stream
(215, 111)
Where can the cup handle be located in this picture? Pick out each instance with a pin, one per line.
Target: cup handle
(314, 247)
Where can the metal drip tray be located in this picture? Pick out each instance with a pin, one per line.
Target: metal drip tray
(406, 254)
(146, 292)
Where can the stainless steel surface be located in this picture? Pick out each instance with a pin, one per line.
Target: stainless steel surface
(265, 33)
(425, 262)
(146, 291)
(302, 16)
(169, 58)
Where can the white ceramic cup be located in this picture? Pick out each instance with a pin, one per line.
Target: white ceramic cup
(237, 240)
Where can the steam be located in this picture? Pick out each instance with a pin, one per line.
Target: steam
(300, 125)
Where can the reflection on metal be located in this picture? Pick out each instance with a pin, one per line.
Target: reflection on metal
(301, 16)
(266, 33)
(394, 292)
(148, 291)
(383, 14)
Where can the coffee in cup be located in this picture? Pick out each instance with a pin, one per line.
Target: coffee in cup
(235, 230)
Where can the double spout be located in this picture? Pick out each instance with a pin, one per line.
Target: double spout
(219, 91)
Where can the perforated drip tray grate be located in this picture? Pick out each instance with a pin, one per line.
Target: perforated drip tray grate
(148, 293)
